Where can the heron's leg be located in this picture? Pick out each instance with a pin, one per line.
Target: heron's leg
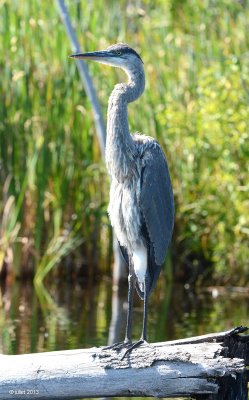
(146, 297)
(131, 289)
(143, 338)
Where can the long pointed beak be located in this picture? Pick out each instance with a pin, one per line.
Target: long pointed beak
(95, 55)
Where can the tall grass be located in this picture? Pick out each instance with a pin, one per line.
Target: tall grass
(196, 103)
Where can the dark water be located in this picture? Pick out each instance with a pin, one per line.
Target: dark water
(76, 316)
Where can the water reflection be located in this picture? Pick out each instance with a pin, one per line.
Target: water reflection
(63, 316)
(73, 316)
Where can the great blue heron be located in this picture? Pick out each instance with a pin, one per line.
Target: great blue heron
(141, 207)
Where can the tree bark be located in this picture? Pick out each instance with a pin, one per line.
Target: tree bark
(197, 367)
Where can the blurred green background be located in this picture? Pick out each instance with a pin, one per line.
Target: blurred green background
(196, 103)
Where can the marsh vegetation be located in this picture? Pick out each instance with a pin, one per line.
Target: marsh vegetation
(54, 184)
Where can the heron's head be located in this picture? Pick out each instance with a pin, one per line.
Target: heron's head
(118, 55)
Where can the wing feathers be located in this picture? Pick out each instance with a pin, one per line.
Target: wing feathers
(156, 200)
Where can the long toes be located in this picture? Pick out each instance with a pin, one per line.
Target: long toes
(118, 346)
(133, 346)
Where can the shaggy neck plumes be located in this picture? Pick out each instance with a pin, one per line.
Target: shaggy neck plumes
(120, 147)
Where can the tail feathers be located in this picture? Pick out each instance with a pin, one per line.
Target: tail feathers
(140, 263)
(139, 291)
(152, 269)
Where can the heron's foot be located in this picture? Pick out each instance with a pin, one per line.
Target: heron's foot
(118, 346)
(133, 346)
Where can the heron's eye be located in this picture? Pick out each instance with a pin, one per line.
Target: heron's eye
(118, 53)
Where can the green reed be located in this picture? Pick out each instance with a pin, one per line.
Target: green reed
(196, 57)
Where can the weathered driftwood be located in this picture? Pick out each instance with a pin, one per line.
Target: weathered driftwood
(197, 366)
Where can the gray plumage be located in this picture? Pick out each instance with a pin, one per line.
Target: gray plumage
(157, 200)
(141, 206)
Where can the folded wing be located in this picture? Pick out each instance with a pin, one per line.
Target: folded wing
(156, 200)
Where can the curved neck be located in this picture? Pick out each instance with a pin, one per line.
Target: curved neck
(120, 147)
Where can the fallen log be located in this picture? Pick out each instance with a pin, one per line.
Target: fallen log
(199, 367)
